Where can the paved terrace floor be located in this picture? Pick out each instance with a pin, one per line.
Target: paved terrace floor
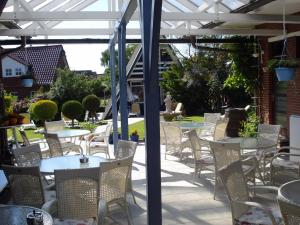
(182, 201)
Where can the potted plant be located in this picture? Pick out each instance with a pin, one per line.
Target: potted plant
(284, 68)
(134, 136)
(27, 79)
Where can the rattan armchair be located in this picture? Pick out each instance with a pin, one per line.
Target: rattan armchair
(283, 168)
(289, 203)
(54, 126)
(113, 187)
(175, 142)
(27, 156)
(27, 142)
(203, 158)
(224, 154)
(243, 209)
(58, 149)
(127, 149)
(210, 118)
(26, 185)
(100, 143)
(270, 132)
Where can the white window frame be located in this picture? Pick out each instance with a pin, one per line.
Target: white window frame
(10, 74)
(18, 71)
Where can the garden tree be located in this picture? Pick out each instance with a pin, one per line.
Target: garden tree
(43, 110)
(71, 86)
(92, 104)
(243, 73)
(72, 109)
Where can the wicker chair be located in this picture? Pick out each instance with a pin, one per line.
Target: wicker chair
(58, 149)
(245, 211)
(283, 168)
(113, 186)
(203, 158)
(224, 154)
(175, 143)
(127, 149)
(290, 210)
(95, 145)
(264, 156)
(77, 193)
(28, 156)
(28, 142)
(54, 126)
(26, 185)
(210, 118)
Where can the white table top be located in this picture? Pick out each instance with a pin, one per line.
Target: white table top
(290, 191)
(71, 133)
(195, 125)
(251, 143)
(48, 166)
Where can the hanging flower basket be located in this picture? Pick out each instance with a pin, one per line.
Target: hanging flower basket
(27, 82)
(285, 73)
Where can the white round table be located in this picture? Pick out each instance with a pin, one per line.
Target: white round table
(48, 166)
(70, 133)
(251, 143)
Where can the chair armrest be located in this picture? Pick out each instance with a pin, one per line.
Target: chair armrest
(250, 160)
(51, 207)
(270, 188)
(258, 205)
(283, 154)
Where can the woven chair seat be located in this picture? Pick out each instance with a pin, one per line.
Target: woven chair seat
(280, 162)
(98, 144)
(207, 159)
(256, 216)
(90, 221)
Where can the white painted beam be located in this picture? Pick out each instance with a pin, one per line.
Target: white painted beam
(164, 31)
(166, 16)
(281, 37)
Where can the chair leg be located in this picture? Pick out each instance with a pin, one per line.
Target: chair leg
(216, 185)
(128, 214)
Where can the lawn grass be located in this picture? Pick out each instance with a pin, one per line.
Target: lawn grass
(138, 126)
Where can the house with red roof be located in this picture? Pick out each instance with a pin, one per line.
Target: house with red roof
(44, 61)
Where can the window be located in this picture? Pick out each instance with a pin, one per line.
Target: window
(8, 72)
(18, 71)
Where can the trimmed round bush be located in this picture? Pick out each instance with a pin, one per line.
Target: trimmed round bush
(44, 109)
(72, 109)
(91, 103)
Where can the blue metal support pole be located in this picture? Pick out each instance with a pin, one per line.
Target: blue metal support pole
(112, 65)
(123, 80)
(150, 11)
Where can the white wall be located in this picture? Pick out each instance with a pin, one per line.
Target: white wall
(9, 63)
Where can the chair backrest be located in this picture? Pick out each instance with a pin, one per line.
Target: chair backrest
(54, 145)
(225, 153)
(135, 108)
(234, 181)
(26, 185)
(77, 192)
(196, 144)
(269, 131)
(107, 133)
(86, 116)
(114, 179)
(220, 129)
(212, 117)
(289, 209)
(54, 126)
(125, 149)
(172, 132)
(28, 156)
(178, 107)
(24, 137)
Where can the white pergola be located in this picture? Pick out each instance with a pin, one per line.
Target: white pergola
(49, 18)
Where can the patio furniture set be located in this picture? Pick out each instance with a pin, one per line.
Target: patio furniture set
(63, 188)
(238, 162)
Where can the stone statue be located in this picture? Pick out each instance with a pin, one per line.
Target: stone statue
(168, 103)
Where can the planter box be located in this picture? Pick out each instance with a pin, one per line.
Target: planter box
(285, 73)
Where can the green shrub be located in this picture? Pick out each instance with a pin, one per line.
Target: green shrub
(7, 101)
(72, 109)
(250, 125)
(91, 103)
(43, 110)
